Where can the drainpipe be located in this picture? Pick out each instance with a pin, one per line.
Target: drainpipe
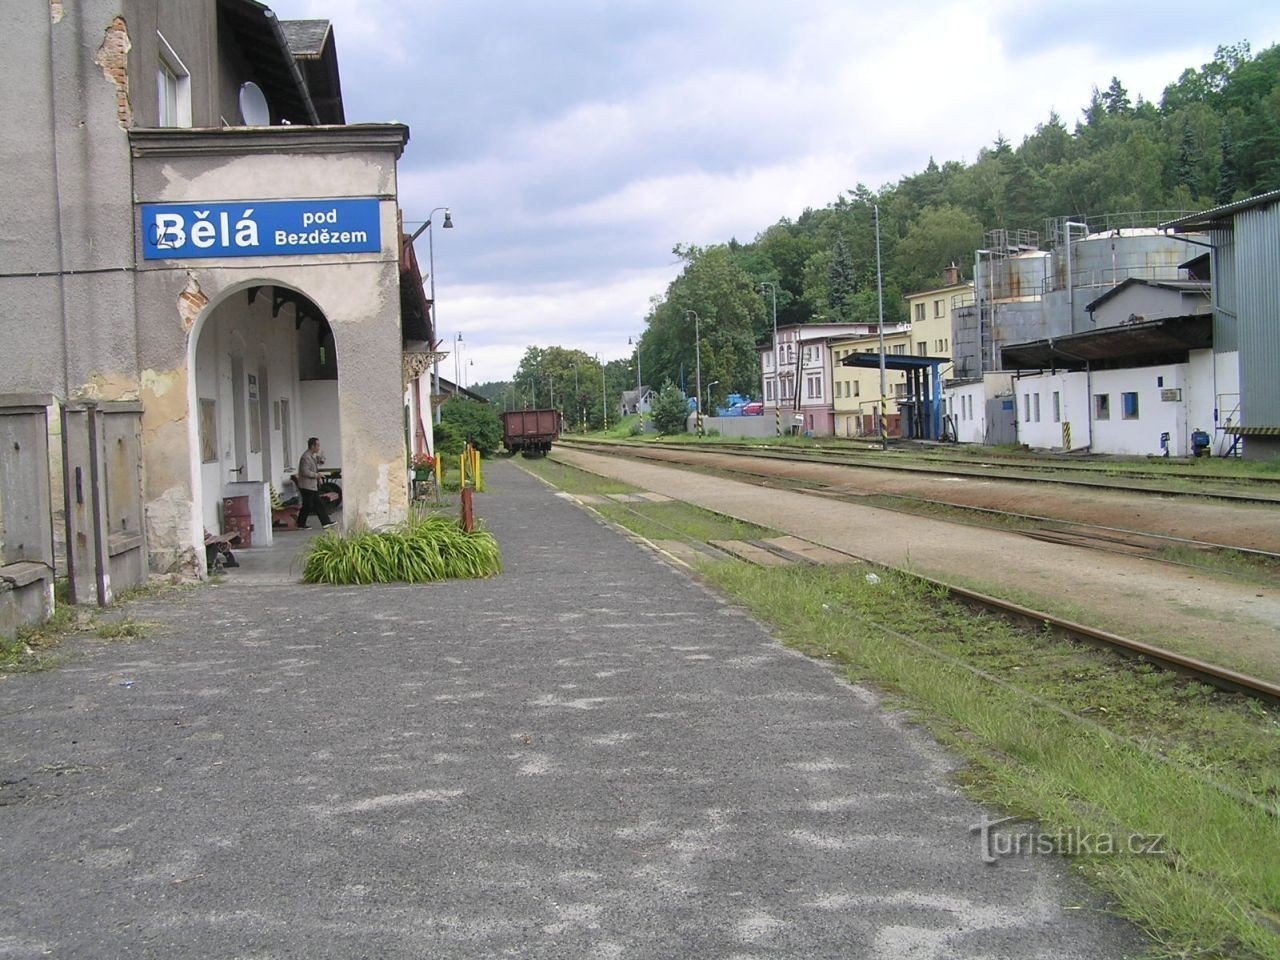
(977, 297)
(1071, 289)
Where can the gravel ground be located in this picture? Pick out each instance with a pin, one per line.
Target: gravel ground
(1171, 605)
(588, 756)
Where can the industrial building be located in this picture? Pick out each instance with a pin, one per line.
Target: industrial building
(1244, 254)
(1104, 341)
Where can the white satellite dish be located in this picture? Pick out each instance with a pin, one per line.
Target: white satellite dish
(253, 105)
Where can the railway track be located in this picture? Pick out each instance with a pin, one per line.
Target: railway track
(1223, 678)
(1108, 539)
(1244, 490)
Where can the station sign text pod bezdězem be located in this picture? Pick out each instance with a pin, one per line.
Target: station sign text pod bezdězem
(263, 228)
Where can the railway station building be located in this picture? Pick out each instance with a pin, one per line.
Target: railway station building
(203, 267)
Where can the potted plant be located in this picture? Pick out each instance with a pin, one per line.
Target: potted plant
(422, 465)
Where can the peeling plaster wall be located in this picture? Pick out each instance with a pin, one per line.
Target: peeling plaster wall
(358, 293)
(69, 215)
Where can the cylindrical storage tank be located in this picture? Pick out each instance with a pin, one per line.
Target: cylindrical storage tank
(1106, 259)
(237, 518)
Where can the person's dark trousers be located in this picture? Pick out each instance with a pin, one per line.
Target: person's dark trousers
(311, 503)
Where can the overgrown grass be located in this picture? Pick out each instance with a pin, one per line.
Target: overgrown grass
(571, 479)
(425, 548)
(1079, 740)
(656, 521)
(35, 647)
(665, 521)
(1052, 602)
(127, 628)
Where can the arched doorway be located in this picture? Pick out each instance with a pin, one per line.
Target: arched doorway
(264, 375)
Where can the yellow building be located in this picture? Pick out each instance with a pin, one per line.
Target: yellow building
(857, 389)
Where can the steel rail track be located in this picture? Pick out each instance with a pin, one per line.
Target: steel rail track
(1223, 678)
(1053, 529)
(1027, 473)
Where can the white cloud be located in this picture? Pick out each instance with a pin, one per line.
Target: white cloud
(578, 144)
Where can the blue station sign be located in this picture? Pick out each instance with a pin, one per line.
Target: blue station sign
(265, 228)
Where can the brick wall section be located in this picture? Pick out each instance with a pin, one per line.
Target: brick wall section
(113, 58)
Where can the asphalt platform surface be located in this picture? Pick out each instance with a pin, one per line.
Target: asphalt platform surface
(588, 756)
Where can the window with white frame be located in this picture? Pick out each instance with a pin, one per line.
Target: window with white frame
(173, 87)
(919, 311)
(814, 387)
(1026, 408)
(1057, 406)
(1035, 407)
(922, 349)
(938, 306)
(768, 390)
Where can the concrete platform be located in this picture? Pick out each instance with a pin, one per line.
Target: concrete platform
(588, 756)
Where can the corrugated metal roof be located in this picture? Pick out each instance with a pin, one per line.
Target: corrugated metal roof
(1218, 217)
(306, 38)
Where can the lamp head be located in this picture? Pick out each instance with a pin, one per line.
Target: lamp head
(448, 220)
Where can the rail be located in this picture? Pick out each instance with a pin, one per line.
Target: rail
(1220, 677)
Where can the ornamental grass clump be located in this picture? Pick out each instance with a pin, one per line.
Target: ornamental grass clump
(420, 550)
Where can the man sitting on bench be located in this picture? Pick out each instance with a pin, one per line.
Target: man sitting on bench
(309, 485)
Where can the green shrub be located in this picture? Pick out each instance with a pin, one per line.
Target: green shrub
(474, 421)
(420, 550)
(449, 442)
(636, 427)
(670, 409)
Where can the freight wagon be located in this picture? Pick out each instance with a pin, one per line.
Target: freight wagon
(530, 432)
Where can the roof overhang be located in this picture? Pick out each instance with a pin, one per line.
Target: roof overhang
(1148, 339)
(893, 361)
(1183, 287)
(1220, 218)
(415, 307)
(258, 34)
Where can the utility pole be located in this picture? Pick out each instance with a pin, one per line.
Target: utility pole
(884, 401)
(777, 386)
(604, 395)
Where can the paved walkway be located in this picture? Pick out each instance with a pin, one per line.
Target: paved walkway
(589, 756)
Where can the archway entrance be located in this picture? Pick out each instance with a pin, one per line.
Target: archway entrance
(266, 379)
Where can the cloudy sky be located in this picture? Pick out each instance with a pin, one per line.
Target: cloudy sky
(577, 141)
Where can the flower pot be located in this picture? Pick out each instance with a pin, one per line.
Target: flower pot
(422, 473)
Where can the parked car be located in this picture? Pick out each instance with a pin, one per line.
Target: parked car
(753, 409)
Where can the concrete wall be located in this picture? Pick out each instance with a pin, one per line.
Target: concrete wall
(1041, 419)
(65, 119)
(740, 426)
(1140, 435)
(969, 405)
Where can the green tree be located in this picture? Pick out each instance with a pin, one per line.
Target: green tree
(474, 421)
(939, 237)
(670, 410)
(842, 281)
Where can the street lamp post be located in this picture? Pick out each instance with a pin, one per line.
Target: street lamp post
(697, 353)
(713, 383)
(457, 360)
(777, 378)
(435, 315)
